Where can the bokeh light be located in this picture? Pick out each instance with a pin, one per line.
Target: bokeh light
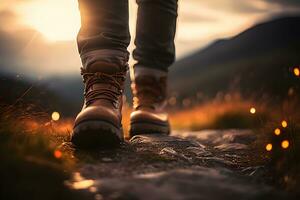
(57, 154)
(83, 184)
(252, 110)
(269, 147)
(284, 124)
(172, 101)
(285, 144)
(297, 71)
(186, 102)
(277, 131)
(55, 116)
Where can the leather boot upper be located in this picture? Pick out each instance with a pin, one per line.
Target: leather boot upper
(149, 88)
(104, 85)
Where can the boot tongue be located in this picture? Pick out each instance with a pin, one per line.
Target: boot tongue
(107, 68)
(101, 86)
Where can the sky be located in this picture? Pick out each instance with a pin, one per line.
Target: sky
(37, 37)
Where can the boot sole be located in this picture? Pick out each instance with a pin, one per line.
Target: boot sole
(139, 128)
(96, 134)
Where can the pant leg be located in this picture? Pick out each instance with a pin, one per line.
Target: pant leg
(104, 35)
(156, 27)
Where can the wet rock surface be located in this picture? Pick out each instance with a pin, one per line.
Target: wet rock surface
(191, 165)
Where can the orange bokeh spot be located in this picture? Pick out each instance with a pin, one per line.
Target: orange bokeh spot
(297, 71)
(285, 144)
(284, 124)
(277, 131)
(57, 154)
(269, 147)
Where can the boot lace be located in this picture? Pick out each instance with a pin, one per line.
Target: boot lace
(111, 94)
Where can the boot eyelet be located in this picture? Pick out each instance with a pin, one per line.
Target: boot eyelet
(116, 104)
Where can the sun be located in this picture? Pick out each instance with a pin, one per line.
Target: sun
(56, 19)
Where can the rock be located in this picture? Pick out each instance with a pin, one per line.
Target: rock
(257, 171)
(199, 151)
(105, 159)
(168, 151)
(233, 156)
(218, 137)
(231, 147)
(216, 161)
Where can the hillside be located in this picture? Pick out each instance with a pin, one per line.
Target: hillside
(255, 62)
(35, 96)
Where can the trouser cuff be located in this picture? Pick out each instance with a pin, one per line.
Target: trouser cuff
(117, 57)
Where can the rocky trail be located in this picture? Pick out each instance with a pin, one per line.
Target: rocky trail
(186, 165)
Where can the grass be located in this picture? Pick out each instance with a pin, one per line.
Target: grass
(32, 164)
(219, 114)
(284, 154)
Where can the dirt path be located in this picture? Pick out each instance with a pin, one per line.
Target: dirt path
(191, 165)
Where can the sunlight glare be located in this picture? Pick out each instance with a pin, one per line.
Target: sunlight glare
(84, 184)
(56, 19)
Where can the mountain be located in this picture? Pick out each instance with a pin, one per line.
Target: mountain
(24, 93)
(257, 61)
(71, 88)
(68, 88)
(57, 93)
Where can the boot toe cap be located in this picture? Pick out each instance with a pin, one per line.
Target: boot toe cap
(99, 113)
(148, 116)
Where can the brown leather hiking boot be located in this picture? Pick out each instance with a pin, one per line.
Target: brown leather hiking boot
(150, 92)
(99, 122)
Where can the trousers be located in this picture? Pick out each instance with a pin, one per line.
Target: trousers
(104, 34)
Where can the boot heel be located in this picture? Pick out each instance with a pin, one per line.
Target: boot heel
(96, 134)
(139, 128)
